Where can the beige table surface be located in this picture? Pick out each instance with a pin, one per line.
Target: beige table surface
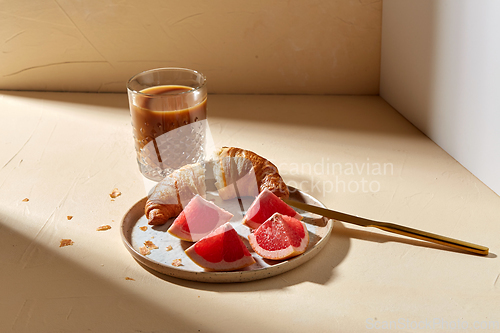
(66, 152)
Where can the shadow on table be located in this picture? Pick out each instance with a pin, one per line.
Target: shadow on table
(44, 290)
(349, 113)
(320, 270)
(365, 114)
(386, 238)
(105, 100)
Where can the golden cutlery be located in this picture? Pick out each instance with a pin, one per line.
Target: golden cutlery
(391, 227)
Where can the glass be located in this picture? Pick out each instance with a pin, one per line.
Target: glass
(168, 107)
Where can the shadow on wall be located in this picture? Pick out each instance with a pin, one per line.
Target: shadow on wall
(440, 70)
(408, 58)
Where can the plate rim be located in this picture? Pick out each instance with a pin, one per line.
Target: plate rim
(224, 277)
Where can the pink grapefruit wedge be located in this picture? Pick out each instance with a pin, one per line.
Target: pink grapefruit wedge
(221, 250)
(264, 206)
(280, 237)
(199, 218)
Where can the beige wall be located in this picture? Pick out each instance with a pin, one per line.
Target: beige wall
(323, 46)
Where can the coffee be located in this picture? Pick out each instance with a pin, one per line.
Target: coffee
(153, 116)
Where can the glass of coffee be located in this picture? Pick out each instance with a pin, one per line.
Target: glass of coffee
(168, 107)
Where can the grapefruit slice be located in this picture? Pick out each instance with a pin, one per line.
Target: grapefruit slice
(221, 250)
(280, 237)
(199, 218)
(264, 206)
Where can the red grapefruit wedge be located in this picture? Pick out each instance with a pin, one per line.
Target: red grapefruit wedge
(221, 250)
(280, 237)
(199, 218)
(264, 206)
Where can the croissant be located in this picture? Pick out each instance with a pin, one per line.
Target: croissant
(250, 173)
(169, 196)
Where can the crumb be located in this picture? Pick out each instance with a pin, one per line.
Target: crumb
(150, 244)
(143, 228)
(115, 193)
(103, 227)
(152, 237)
(26, 200)
(169, 248)
(129, 278)
(144, 250)
(66, 242)
(69, 217)
(177, 262)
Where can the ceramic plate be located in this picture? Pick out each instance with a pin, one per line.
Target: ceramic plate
(136, 231)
